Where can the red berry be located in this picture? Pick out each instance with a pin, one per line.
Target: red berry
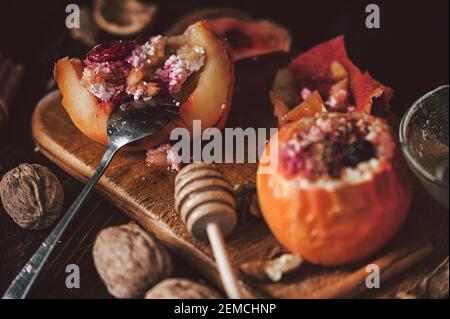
(119, 98)
(110, 51)
(292, 160)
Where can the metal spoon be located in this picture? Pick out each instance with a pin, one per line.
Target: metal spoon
(129, 123)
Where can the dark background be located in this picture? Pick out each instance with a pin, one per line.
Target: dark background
(410, 52)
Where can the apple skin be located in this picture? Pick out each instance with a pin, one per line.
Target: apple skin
(338, 225)
(209, 102)
(265, 36)
(219, 67)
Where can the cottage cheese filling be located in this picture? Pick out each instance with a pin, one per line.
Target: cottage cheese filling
(145, 72)
(337, 147)
(179, 67)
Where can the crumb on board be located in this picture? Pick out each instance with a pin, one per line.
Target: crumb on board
(163, 155)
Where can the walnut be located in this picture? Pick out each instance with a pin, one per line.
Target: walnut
(130, 260)
(32, 196)
(273, 270)
(178, 288)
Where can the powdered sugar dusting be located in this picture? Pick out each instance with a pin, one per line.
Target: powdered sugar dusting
(148, 53)
(134, 76)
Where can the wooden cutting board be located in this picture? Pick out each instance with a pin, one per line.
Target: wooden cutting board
(146, 195)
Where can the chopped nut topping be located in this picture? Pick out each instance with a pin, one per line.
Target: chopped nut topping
(275, 269)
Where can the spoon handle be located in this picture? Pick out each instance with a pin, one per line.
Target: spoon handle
(21, 285)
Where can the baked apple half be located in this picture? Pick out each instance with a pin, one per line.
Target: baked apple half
(247, 37)
(252, 38)
(324, 79)
(195, 69)
(339, 191)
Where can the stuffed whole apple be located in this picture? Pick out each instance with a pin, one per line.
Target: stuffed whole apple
(195, 69)
(339, 192)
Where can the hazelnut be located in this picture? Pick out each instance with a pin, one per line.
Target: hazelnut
(130, 260)
(32, 196)
(178, 288)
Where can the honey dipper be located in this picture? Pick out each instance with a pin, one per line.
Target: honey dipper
(205, 202)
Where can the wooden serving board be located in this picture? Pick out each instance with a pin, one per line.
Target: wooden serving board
(146, 195)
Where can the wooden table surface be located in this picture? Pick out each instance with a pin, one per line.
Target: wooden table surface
(409, 53)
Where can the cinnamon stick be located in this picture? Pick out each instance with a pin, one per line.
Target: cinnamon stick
(389, 265)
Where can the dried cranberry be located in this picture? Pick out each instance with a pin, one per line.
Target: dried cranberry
(110, 51)
(119, 70)
(119, 98)
(357, 152)
(292, 160)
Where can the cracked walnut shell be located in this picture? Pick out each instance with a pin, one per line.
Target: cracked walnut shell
(32, 195)
(130, 260)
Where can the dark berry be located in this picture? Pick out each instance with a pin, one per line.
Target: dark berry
(334, 159)
(357, 152)
(110, 51)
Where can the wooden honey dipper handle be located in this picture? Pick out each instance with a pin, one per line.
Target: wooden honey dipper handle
(205, 202)
(223, 262)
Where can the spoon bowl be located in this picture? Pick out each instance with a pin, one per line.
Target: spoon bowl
(136, 120)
